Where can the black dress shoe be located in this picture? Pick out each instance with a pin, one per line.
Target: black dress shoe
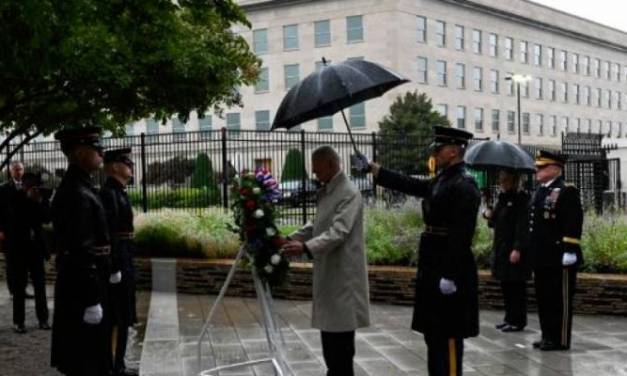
(512, 328)
(501, 325)
(126, 372)
(538, 344)
(44, 326)
(20, 329)
(552, 346)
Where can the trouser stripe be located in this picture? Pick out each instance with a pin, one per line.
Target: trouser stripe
(452, 357)
(565, 291)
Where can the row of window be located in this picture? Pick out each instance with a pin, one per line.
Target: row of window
(579, 94)
(322, 35)
(541, 127)
(529, 53)
(356, 114)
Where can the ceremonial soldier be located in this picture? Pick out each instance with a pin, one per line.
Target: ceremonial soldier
(119, 171)
(446, 306)
(555, 224)
(80, 337)
(27, 211)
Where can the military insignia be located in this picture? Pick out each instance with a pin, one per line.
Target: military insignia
(509, 203)
(547, 215)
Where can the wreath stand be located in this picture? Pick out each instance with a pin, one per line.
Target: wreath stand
(274, 336)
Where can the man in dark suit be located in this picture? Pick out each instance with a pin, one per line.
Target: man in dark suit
(7, 190)
(446, 308)
(81, 343)
(119, 170)
(555, 226)
(26, 251)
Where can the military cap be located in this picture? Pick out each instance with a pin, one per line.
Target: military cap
(449, 136)
(546, 158)
(72, 137)
(118, 155)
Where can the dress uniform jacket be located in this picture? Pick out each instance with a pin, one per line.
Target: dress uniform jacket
(509, 220)
(336, 241)
(82, 243)
(450, 205)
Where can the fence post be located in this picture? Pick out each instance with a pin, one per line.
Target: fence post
(374, 159)
(225, 173)
(303, 176)
(143, 182)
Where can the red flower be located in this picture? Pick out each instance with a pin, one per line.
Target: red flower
(244, 191)
(250, 230)
(250, 204)
(278, 241)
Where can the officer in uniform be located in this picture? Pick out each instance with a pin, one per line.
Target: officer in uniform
(80, 337)
(446, 306)
(555, 224)
(119, 171)
(26, 213)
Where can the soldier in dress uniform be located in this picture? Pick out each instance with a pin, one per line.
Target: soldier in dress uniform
(555, 224)
(26, 213)
(446, 306)
(119, 171)
(80, 337)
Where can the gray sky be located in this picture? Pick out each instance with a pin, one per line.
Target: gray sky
(608, 12)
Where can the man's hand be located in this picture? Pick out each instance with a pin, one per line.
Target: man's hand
(447, 287)
(293, 248)
(93, 314)
(361, 163)
(569, 258)
(514, 257)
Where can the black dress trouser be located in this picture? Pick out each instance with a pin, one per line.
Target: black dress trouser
(338, 349)
(19, 267)
(444, 355)
(555, 289)
(515, 299)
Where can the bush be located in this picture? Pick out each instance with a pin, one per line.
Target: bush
(392, 235)
(170, 233)
(177, 198)
(293, 168)
(604, 244)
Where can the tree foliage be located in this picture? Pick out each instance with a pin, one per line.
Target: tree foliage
(406, 131)
(203, 176)
(293, 168)
(174, 171)
(109, 62)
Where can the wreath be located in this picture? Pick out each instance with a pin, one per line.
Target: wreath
(254, 212)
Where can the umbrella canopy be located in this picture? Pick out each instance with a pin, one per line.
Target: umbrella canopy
(499, 155)
(332, 89)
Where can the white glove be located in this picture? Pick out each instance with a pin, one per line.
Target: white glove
(115, 278)
(361, 163)
(569, 258)
(93, 314)
(447, 287)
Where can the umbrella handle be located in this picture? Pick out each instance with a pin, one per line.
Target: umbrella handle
(350, 134)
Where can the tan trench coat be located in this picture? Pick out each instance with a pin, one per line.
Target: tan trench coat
(336, 241)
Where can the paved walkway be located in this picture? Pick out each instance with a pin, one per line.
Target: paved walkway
(388, 348)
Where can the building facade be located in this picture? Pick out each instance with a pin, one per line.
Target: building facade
(459, 52)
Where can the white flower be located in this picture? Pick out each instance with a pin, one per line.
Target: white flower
(256, 190)
(268, 268)
(270, 231)
(275, 259)
(258, 213)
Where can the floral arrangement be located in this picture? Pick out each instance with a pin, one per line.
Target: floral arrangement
(254, 212)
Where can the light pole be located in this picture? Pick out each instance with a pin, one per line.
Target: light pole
(518, 79)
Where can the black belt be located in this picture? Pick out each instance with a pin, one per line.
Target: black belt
(104, 250)
(434, 230)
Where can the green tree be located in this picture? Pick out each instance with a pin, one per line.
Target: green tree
(405, 132)
(108, 62)
(203, 175)
(293, 168)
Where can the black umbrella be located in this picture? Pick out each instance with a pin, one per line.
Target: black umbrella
(498, 154)
(332, 89)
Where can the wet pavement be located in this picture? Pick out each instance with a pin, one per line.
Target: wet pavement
(387, 348)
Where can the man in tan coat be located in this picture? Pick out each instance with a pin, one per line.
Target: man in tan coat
(335, 241)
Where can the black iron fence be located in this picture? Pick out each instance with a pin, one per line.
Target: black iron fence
(193, 170)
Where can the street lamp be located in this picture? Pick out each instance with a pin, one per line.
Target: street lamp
(518, 79)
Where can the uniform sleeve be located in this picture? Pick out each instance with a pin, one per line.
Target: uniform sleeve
(464, 209)
(570, 213)
(112, 212)
(343, 221)
(521, 232)
(398, 182)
